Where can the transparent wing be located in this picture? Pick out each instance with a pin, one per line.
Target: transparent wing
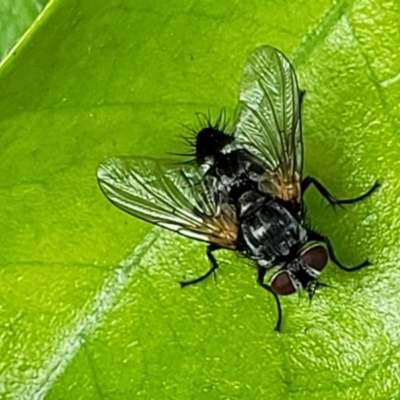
(171, 196)
(269, 122)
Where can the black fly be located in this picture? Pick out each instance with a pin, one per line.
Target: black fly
(244, 191)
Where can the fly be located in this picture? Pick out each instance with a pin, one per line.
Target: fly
(244, 191)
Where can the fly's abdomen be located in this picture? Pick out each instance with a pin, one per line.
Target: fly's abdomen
(234, 172)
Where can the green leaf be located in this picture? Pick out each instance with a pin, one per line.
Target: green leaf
(89, 301)
(15, 18)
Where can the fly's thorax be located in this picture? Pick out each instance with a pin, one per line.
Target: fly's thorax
(270, 231)
(302, 272)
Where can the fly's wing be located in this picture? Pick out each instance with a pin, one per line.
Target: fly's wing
(171, 196)
(269, 122)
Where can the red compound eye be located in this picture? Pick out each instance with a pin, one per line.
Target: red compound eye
(316, 257)
(281, 284)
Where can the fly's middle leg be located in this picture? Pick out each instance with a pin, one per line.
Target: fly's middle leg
(214, 266)
(260, 280)
(332, 200)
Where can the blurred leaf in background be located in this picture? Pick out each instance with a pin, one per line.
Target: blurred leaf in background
(16, 16)
(89, 301)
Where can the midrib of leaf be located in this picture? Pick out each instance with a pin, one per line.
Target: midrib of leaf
(70, 341)
(28, 32)
(85, 324)
(311, 40)
(370, 72)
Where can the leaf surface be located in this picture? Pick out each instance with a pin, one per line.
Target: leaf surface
(89, 301)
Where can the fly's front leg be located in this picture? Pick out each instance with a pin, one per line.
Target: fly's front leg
(260, 280)
(332, 201)
(214, 266)
(324, 239)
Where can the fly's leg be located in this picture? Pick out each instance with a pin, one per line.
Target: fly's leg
(332, 201)
(324, 239)
(214, 266)
(260, 281)
(301, 97)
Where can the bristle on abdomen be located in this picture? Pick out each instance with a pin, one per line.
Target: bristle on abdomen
(210, 142)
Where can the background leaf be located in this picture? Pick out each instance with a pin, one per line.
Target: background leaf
(89, 301)
(15, 18)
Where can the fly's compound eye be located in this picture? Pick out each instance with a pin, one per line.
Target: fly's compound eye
(316, 258)
(282, 284)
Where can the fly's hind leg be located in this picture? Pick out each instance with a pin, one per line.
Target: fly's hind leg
(324, 239)
(214, 266)
(301, 97)
(260, 280)
(332, 201)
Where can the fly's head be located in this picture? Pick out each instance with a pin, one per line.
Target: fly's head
(302, 272)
